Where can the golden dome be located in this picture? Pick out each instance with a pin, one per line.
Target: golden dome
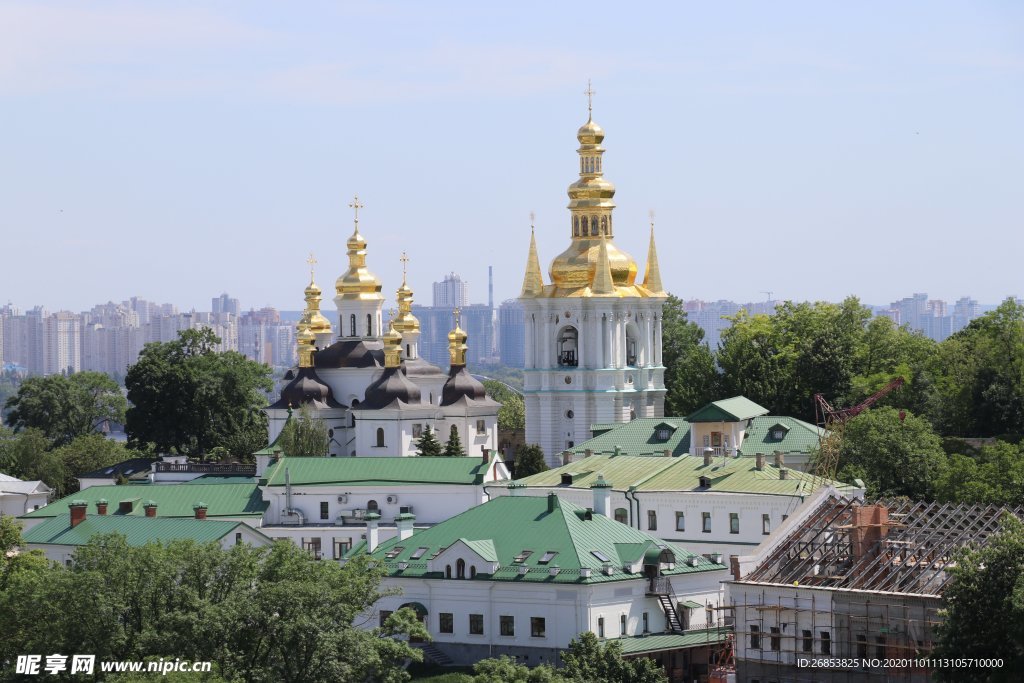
(314, 320)
(574, 268)
(405, 321)
(590, 133)
(392, 346)
(357, 282)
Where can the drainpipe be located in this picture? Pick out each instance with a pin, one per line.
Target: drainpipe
(632, 499)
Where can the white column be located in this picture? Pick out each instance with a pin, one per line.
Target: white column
(531, 361)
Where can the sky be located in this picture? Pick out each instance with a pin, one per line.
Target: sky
(174, 151)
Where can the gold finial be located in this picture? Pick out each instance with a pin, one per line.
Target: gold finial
(405, 262)
(533, 218)
(590, 92)
(456, 312)
(650, 214)
(355, 206)
(533, 281)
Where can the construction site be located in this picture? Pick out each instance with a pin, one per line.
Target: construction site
(853, 592)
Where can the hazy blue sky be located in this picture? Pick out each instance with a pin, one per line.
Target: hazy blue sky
(177, 150)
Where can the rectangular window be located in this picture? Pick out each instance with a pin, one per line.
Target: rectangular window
(705, 522)
(826, 642)
(481, 426)
(417, 430)
(324, 512)
(507, 624)
(238, 538)
(384, 614)
(652, 520)
(647, 623)
(547, 557)
(341, 546)
(776, 639)
(622, 625)
(536, 627)
(755, 637)
(716, 439)
(447, 623)
(862, 646)
(680, 521)
(418, 553)
(312, 546)
(766, 524)
(600, 627)
(808, 640)
(734, 522)
(476, 624)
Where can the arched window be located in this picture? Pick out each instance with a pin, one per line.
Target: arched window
(575, 226)
(352, 325)
(472, 572)
(604, 224)
(372, 506)
(599, 164)
(408, 350)
(460, 569)
(593, 226)
(583, 225)
(447, 571)
(380, 437)
(568, 347)
(369, 325)
(621, 515)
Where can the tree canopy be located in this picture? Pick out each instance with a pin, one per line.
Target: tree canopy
(305, 435)
(512, 414)
(529, 460)
(187, 397)
(64, 408)
(428, 445)
(454, 446)
(691, 378)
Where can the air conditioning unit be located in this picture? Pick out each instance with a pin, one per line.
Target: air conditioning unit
(392, 499)
(359, 514)
(342, 499)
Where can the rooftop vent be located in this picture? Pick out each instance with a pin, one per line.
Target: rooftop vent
(705, 482)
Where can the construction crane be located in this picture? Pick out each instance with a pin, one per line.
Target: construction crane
(833, 420)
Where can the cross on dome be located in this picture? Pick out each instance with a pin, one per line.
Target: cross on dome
(590, 92)
(355, 206)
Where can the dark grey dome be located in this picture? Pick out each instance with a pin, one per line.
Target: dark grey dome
(391, 386)
(352, 353)
(306, 388)
(461, 384)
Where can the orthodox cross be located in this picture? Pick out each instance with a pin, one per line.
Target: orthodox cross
(355, 206)
(589, 92)
(405, 260)
(456, 312)
(651, 215)
(533, 217)
(312, 262)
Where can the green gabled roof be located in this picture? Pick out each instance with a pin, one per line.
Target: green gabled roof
(378, 471)
(173, 500)
(639, 437)
(660, 642)
(735, 409)
(508, 525)
(136, 530)
(799, 436)
(731, 475)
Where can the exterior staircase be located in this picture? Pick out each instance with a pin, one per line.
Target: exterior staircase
(435, 655)
(670, 613)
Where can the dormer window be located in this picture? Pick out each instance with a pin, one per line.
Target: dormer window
(778, 431)
(662, 434)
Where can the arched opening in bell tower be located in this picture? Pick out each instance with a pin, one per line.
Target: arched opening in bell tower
(567, 346)
(632, 347)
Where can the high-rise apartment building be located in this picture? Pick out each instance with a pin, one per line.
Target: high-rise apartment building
(511, 333)
(451, 292)
(225, 304)
(965, 310)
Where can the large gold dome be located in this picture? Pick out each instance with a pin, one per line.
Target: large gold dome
(574, 267)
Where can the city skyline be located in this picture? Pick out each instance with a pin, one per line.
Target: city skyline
(227, 142)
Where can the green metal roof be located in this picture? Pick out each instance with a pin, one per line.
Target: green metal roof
(223, 479)
(659, 642)
(641, 437)
(378, 471)
(136, 530)
(507, 526)
(735, 409)
(173, 500)
(732, 475)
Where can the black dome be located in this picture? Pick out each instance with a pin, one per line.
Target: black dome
(306, 388)
(353, 353)
(417, 367)
(391, 386)
(461, 384)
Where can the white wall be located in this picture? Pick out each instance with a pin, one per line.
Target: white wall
(15, 504)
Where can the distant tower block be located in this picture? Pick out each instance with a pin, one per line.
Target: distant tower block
(593, 335)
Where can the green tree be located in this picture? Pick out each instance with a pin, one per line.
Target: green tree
(86, 454)
(985, 608)
(504, 669)
(529, 460)
(305, 435)
(187, 396)
(66, 407)
(512, 414)
(27, 455)
(454, 446)
(691, 378)
(428, 445)
(894, 456)
(993, 475)
(588, 660)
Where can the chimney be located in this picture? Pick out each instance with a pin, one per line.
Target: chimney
(783, 473)
(708, 454)
(759, 459)
(404, 522)
(77, 509)
(200, 510)
(667, 453)
(101, 506)
(602, 496)
(780, 459)
(566, 457)
(486, 454)
(372, 533)
(552, 501)
(618, 450)
(870, 525)
(125, 507)
(587, 453)
(150, 508)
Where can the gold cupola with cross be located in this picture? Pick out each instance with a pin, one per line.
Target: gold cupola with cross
(358, 295)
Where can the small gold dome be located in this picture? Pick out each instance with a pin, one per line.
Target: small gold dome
(356, 241)
(457, 336)
(357, 282)
(392, 337)
(590, 133)
(574, 267)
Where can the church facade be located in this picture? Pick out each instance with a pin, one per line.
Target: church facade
(593, 333)
(370, 386)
